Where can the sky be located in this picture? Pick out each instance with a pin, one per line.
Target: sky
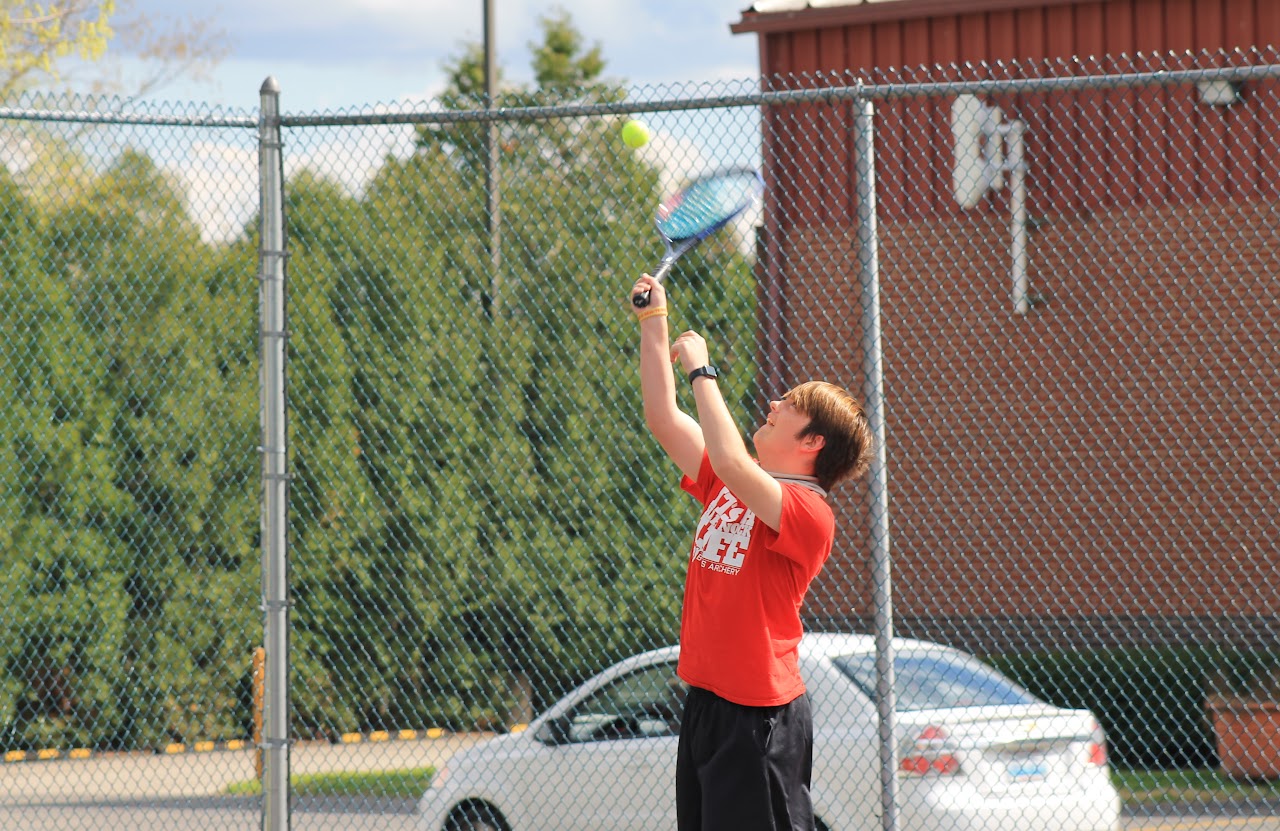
(342, 54)
(349, 55)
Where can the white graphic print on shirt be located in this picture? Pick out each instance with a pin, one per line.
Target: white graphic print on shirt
(724, 531)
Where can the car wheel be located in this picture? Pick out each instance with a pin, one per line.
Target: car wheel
(478, 818)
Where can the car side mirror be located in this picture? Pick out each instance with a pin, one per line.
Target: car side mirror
(554, 731)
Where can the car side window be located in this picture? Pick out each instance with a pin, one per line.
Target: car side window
(643, 704)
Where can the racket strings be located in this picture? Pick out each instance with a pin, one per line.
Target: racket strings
(707, 204)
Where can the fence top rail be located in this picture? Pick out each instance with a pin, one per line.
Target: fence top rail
(809, 95)
(119, 118)
(90, 117)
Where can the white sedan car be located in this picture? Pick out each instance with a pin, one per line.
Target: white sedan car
(976, 752)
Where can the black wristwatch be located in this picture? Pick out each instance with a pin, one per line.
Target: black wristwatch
(704, 372)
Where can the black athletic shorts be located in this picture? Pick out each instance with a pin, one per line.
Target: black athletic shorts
(744, 768)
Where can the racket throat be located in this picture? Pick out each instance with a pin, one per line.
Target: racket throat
(664, 268)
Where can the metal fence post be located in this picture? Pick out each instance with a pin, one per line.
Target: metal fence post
(275, 475)
(873, 395)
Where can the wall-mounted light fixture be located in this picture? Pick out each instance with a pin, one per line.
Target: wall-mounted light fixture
(980, 163)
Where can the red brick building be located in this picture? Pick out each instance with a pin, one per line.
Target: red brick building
(1103, 468)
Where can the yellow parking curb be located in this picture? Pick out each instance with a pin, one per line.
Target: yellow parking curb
(210, 746)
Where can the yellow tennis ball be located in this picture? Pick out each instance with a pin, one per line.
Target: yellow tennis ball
(635, 134)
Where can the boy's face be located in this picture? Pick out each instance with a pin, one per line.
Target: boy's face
(779, 436)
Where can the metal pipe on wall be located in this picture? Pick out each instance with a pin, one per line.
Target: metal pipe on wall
(1017, 167)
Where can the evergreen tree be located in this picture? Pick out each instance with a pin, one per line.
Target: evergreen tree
(517, 519)
(131, 445)
(478, 516)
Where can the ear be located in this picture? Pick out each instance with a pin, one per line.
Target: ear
(812, 443)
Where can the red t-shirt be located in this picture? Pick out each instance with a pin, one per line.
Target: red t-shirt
(740, 629)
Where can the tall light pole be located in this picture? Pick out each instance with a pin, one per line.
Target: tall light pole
(492, 149)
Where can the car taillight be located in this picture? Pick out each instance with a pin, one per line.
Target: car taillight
(1097, 747)
(941, 765)
(931, 734)
(929, 755)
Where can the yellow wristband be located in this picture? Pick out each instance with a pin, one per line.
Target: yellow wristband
(660, 311)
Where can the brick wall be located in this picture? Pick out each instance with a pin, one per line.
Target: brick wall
(1111, 455)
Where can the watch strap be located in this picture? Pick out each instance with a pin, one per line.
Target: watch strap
(704, 372)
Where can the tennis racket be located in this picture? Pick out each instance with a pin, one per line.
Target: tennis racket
(698, 210)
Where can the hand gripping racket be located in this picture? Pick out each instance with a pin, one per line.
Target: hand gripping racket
(698, 210)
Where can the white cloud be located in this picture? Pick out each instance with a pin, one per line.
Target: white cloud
(280, 16)
(664, 41)
(349, 55)
(221, 180)
(221, 183)
(351, 160)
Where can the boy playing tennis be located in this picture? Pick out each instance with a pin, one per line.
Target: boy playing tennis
(746, 738)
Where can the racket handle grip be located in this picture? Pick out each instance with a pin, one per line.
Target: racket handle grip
(641, 299)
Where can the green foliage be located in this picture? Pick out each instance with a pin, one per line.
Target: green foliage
(496, 523)
(559, 64)
(127, 436)
(36, 37)
(407, 783)
(478, 519)
(53, 43)
(1188, 786)
(564, 75)
(1150, 702)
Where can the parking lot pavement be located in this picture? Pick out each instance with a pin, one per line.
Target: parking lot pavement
(149, 776)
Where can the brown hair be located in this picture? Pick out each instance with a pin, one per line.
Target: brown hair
(837, 416)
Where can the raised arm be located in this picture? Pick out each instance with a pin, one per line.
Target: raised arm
(724, 444)
(676, 431)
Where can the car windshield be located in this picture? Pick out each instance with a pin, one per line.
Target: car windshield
(936, 679)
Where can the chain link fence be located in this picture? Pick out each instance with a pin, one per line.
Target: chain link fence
(1075, 267)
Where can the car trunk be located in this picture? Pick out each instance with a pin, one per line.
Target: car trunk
(1001, 751)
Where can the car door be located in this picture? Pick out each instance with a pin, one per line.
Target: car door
(615, 757)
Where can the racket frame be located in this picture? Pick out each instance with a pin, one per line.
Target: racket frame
(676, 248)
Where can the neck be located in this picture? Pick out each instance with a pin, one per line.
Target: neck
(803, 479)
